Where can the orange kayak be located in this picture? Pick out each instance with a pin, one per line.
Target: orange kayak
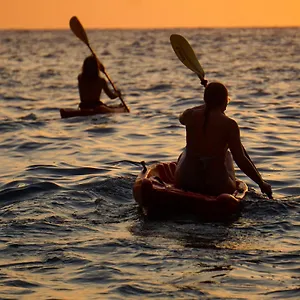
(157, 196)
(71, 112)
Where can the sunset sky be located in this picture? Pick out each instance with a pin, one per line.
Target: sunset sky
(19, 14)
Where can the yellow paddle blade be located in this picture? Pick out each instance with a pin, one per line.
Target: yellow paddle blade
(78, 30)
(186, 54)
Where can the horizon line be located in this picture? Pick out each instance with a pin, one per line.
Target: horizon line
(154, 28)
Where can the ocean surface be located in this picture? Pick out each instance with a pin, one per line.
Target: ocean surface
(69, 225)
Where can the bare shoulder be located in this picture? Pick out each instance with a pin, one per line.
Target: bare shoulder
(185, 117)
(199, 107)
(195, 111)
(229, 121)
(232, 126)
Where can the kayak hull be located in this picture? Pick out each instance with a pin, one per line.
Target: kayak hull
(71, 112)
(157, 196)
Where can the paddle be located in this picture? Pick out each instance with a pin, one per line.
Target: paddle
(186, 55)
(79, 31)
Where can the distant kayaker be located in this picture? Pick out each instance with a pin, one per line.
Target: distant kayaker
(91, 84)
(206, 164)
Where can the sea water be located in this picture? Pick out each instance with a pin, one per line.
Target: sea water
(69, 226)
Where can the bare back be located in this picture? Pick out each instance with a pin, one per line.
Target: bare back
(90, 90)
(213, 141)
(203, 167)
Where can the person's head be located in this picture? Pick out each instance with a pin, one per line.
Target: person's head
(90, 67)
(216, 95)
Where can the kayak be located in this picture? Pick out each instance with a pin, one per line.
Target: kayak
(157, 197)
(71, 112)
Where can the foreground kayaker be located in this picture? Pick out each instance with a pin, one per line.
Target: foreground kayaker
(91, 84)
(206, 165)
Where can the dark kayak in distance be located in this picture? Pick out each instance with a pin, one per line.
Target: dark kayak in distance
(158, 198)
(71, 112)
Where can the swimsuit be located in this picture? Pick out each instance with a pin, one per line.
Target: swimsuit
(193, 173)
(90, 104)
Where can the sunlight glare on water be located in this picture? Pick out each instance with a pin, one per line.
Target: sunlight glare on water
(70, 227)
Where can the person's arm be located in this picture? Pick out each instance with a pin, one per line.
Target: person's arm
(108, 92)
(245, 164)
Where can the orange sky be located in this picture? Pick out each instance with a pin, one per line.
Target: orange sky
(149, 13)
